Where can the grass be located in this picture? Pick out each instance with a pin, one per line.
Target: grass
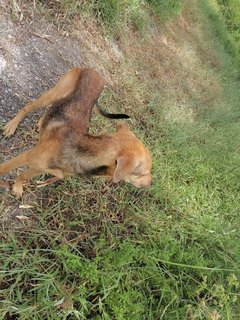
(114, 16)
(90, 250)
(230, 10)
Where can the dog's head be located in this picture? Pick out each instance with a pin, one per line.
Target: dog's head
(134, 162)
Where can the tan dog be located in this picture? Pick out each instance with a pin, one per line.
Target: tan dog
(65, 148)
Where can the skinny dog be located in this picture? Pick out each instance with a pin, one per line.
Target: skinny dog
(65, 148)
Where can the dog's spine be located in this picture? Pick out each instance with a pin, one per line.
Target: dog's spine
(110, 115)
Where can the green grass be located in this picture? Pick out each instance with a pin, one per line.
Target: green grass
(165, 9)
(99, 251)
(219, 28)
(230, 10)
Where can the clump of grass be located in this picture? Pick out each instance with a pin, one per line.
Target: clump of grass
(165, 9)
(118, 15)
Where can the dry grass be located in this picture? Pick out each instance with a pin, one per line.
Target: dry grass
(162, 66)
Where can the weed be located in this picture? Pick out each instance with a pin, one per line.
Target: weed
(165, 9)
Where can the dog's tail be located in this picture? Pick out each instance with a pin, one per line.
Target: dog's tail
(105, 114)
(21, 160)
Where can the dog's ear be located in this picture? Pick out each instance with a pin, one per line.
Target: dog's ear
(125, 164)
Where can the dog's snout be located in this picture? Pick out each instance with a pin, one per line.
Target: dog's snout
(150, 183)
(147, 182)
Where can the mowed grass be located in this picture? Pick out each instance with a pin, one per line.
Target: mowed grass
(92, 250)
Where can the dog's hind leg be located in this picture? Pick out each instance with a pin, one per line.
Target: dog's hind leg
(21, 160)
(17, 188)
(63, 88)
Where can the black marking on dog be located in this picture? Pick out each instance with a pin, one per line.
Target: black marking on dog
(98, 171)
(81, 149)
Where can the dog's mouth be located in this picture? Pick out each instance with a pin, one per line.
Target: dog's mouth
(142, 185)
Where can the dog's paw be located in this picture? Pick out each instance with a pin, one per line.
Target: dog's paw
(17, 190)
(10, 128)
